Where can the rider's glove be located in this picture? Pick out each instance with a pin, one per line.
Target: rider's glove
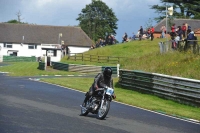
(96, 87)
(113, 96)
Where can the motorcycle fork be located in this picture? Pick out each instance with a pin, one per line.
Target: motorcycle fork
(102, 100)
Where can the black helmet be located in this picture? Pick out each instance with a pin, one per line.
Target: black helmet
(107, 72)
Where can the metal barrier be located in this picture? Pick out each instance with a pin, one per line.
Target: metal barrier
(183, 90)
(80, 68)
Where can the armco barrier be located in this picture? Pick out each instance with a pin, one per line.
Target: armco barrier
(18, 59)
(183, 90)
(60, 66)
(80, 68)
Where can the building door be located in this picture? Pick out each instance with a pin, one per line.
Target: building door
(48, 61)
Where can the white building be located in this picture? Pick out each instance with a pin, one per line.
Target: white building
(40, 40)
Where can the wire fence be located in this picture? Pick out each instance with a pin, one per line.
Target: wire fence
(190, 45)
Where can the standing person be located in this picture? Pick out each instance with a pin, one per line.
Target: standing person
(184, 30)
(141, 33)
(100, 81)
(173, 31)
(152, 31)
(186, 33)
(180, 32)
(163, 31)
(125, 37)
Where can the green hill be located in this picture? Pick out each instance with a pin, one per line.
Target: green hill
(145, 55)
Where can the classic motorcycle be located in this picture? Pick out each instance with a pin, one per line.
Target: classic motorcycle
(99, 104)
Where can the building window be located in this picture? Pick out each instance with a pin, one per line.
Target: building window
(7, 45)
(32, 46)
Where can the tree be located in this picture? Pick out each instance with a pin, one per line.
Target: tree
(148, 24)
(18, 21)
(97, 20)
(182, 9)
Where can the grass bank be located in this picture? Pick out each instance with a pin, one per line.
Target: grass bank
(145, 56)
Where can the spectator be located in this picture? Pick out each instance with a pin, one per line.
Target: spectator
(100, 42)
(173, 31)
(189, 29)
(163, 31)
(109, 40)
(141, 33)
(133, 37)
(97, 44)
(124, 37)
(92, 47)
(138, 34)
(180, 32)
(184, 30)
(191, 37)
(152, 31)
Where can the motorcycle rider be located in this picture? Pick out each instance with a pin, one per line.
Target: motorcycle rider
(102, 80)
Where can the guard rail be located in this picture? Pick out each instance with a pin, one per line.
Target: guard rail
(183, 90)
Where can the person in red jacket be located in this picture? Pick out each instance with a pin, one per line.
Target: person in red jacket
(173, 31)
(184, 30)
(152, 31)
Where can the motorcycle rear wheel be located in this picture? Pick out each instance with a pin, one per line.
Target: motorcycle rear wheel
(102, 112)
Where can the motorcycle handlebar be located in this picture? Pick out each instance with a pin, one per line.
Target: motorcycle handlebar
(99, 89)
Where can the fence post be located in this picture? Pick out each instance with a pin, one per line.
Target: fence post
(45, 62)
(75, 57)
(108, 59)
(1, 58)
(118, 65)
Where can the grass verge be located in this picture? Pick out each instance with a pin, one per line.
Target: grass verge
(30, 69)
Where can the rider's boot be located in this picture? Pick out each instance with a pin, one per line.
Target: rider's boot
(86, 99)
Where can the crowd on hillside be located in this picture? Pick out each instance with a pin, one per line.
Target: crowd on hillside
(182, 33)
(179, 33)
(141, 35)
(101, 42)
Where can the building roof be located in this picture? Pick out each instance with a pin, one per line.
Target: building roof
(72, 36)
(194, 23)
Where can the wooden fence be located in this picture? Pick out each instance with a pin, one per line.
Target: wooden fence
(94, 58)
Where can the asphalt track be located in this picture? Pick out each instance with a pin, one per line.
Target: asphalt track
(31, 106)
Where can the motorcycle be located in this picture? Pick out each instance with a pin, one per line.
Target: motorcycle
(99, 104)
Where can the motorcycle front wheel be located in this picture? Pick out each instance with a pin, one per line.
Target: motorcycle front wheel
(84, 111)
(102, 112)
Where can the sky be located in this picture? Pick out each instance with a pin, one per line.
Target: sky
(131, 14)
